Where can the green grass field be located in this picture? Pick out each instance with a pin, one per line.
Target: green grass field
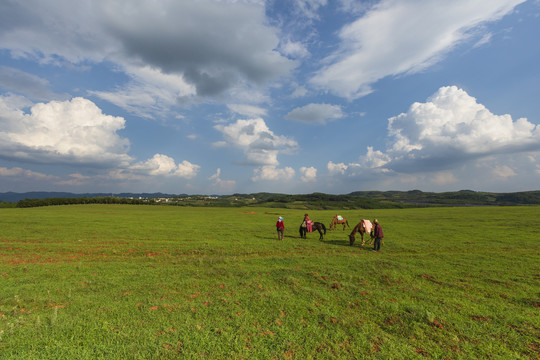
(158, 282)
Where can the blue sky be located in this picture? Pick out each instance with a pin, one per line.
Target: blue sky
(243, 96)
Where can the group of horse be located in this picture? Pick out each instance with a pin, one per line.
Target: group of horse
(363, 227)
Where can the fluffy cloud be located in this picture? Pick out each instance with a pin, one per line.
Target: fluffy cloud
(374, 159)
(74, 131)
(299, 91)
(308, 174)
(397, 37)
(451, 127)
(260, 145)
(272, 173)
(164, 165)
(335, 169)
(294, 49)
(315, 113)
(446, 139)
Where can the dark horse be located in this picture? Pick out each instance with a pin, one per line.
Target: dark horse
(315, 226)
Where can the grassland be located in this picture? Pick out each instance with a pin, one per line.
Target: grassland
(140, 282)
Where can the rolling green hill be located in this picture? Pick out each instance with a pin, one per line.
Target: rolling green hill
(354, 200)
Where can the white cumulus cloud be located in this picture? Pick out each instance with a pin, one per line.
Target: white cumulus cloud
(451, 127)
(308, 174)
(334, 168)
(74, 131)
(77, 133)
(449, 139)
(164, 165)
(260, 145)
(273, 173)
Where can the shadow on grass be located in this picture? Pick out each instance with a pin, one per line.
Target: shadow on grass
(345, 243)
(315, 237)
(274, 237)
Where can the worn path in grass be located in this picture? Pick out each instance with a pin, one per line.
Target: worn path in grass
(157, 282)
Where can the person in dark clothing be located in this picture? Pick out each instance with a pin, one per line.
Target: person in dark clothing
(280, 228)
(378, 234)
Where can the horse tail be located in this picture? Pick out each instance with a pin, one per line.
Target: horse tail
(324, 228)
(347, 221)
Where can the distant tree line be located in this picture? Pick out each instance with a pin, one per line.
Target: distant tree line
(5, 204)
(87, 200)
(316, 201)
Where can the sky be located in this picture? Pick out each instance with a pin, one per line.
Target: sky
(245, 96)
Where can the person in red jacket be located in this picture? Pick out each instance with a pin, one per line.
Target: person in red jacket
(280, 226)
(377, 234)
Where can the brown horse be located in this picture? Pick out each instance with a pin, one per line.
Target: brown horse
(360, 228)
(336, 221)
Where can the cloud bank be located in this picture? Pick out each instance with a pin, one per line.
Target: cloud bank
(170, 50)
(449, 130)
(452, 127)
(76, 133)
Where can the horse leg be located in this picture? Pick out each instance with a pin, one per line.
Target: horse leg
(320, 232)
(362, 234)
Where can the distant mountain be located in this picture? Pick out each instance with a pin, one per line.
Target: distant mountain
(15, 197)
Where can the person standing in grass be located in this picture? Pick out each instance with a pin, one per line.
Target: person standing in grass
(377, 234)
(306, 223)
(280, 226)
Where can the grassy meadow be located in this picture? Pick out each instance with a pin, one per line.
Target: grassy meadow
(162, 282)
